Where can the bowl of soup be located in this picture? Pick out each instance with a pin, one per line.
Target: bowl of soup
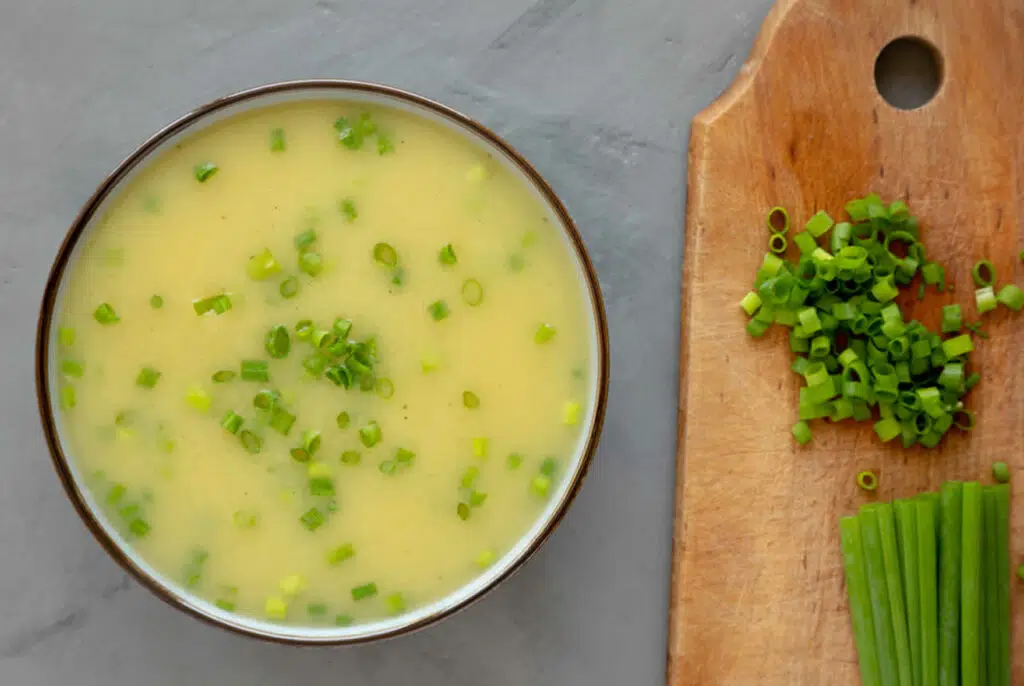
(322, 362)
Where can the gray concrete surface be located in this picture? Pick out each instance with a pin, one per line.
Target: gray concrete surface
(597, 93)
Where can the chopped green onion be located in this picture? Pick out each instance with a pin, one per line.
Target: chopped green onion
(348, 210)
(802, 433)
(778, 243)
(438, 310)
(384, 144)
(516, 262)
(266, 399)
(983, 273)
(867, 480)
(955, 347)
(218, 304)
(312, 519)
(343, 620)
(156, 302)
(275, 607)
(67, 398)
(777, 220)
(204, 170)
(225, 604)
(223, 376)
(72, 368)
(388, 467)
(66, 336)
(514, 461)
(138, 527)
(1001, 472)
(571, 413)
(232, 422)
(340, 375)
(447, 255)
(480, 447)
(198, 399)
(472, 292)
(985, 299)
(952, 318)
(305, 240)
(289, 288)
(106, 315)
(311, 441)
(463, 511)
(1011, 296)
(404, 457)
(255, 370)
(338, 555)
(262, 265)
(351, 457)
(316, 609)
(371, 434)
(540, 485)
(299, 455)
(277, 343)
(277, 142)
(385, 389)
(395, 603)
(544, 334)
(310, 263)
(342, 420)
(385, 254)
(819, 224)
(281, 421)
(304, 329)
(470, 400)
(751, 303)
(321, 486)
(364, 591)
(251, 442)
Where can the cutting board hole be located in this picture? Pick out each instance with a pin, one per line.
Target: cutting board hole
(908, 72)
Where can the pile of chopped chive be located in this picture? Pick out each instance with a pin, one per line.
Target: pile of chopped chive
(928, 580)
(860, 359)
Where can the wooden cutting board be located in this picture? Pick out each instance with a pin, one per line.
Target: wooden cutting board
(757, 585)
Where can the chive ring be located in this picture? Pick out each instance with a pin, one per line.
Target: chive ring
(778, 243)
(867, 480)
(983, 273)
(777, 220)
(472, 292)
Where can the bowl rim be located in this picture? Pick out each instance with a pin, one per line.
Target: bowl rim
(139, 156)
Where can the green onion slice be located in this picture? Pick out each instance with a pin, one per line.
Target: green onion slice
(472, 292)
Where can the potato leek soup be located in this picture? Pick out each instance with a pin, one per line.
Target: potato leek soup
(323, 362)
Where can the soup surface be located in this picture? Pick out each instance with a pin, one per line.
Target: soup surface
(323, 362)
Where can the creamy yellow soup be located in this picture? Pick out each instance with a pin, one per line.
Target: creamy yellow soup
(323, 363)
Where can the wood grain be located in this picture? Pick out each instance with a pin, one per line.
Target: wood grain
(757, 589)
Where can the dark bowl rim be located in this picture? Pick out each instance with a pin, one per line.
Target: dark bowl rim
(177, 599)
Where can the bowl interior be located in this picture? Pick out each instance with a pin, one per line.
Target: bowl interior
(96, 208)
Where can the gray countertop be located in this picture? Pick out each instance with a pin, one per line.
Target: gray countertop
(598, 94)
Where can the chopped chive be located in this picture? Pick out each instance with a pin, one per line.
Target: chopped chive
(312, 519)
(398, 276)
(366, 125)
(340, 375)
(1001, 472)
(255, 370)
(447, 255)
(395, 603)
(67, 397)
(485, 558)
(322, 338)
(514, 461)
(156, 302)
(388, 467)
(299, 454)
(315, 364)
(246, 519)
(198, 399)
(472, 292)
(480, 447)
(349, 136)
(802, 432)
(224, 604)
(385, 389)
(204, 170)
(470, 400)
(404, 457)
(66, 336)
(476, 499)
(777, 220)
(72, 368)
(276, 342)
(429, 364)
(277, 142)
(952, 318)
(262, 265)
(232, 422)
(351, 457)
(985, 299)
(342, 328)
(371, 434)
(217, 304)
(342, 420)
(343, 620)
(251, 442)
(463, 511)
(349, 210)
(516, 262)
(138, 527)
(469, 477)
(338, 555)
(540, 485)
(304, 329)
(571, 413)
(310, 263)
(223, 376)
(438, 310)
(385, 254)
(311, 441)
(364, 591)
(275, 607)
(281, 421)
(545, 332)
(316, 609)
(292, 585)
(106, 315)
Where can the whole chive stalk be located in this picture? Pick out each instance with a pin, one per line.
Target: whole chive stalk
(928, 564)
(950, 543)
(906, 521)
(885, 642)
(970, 585)
(992, 652)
